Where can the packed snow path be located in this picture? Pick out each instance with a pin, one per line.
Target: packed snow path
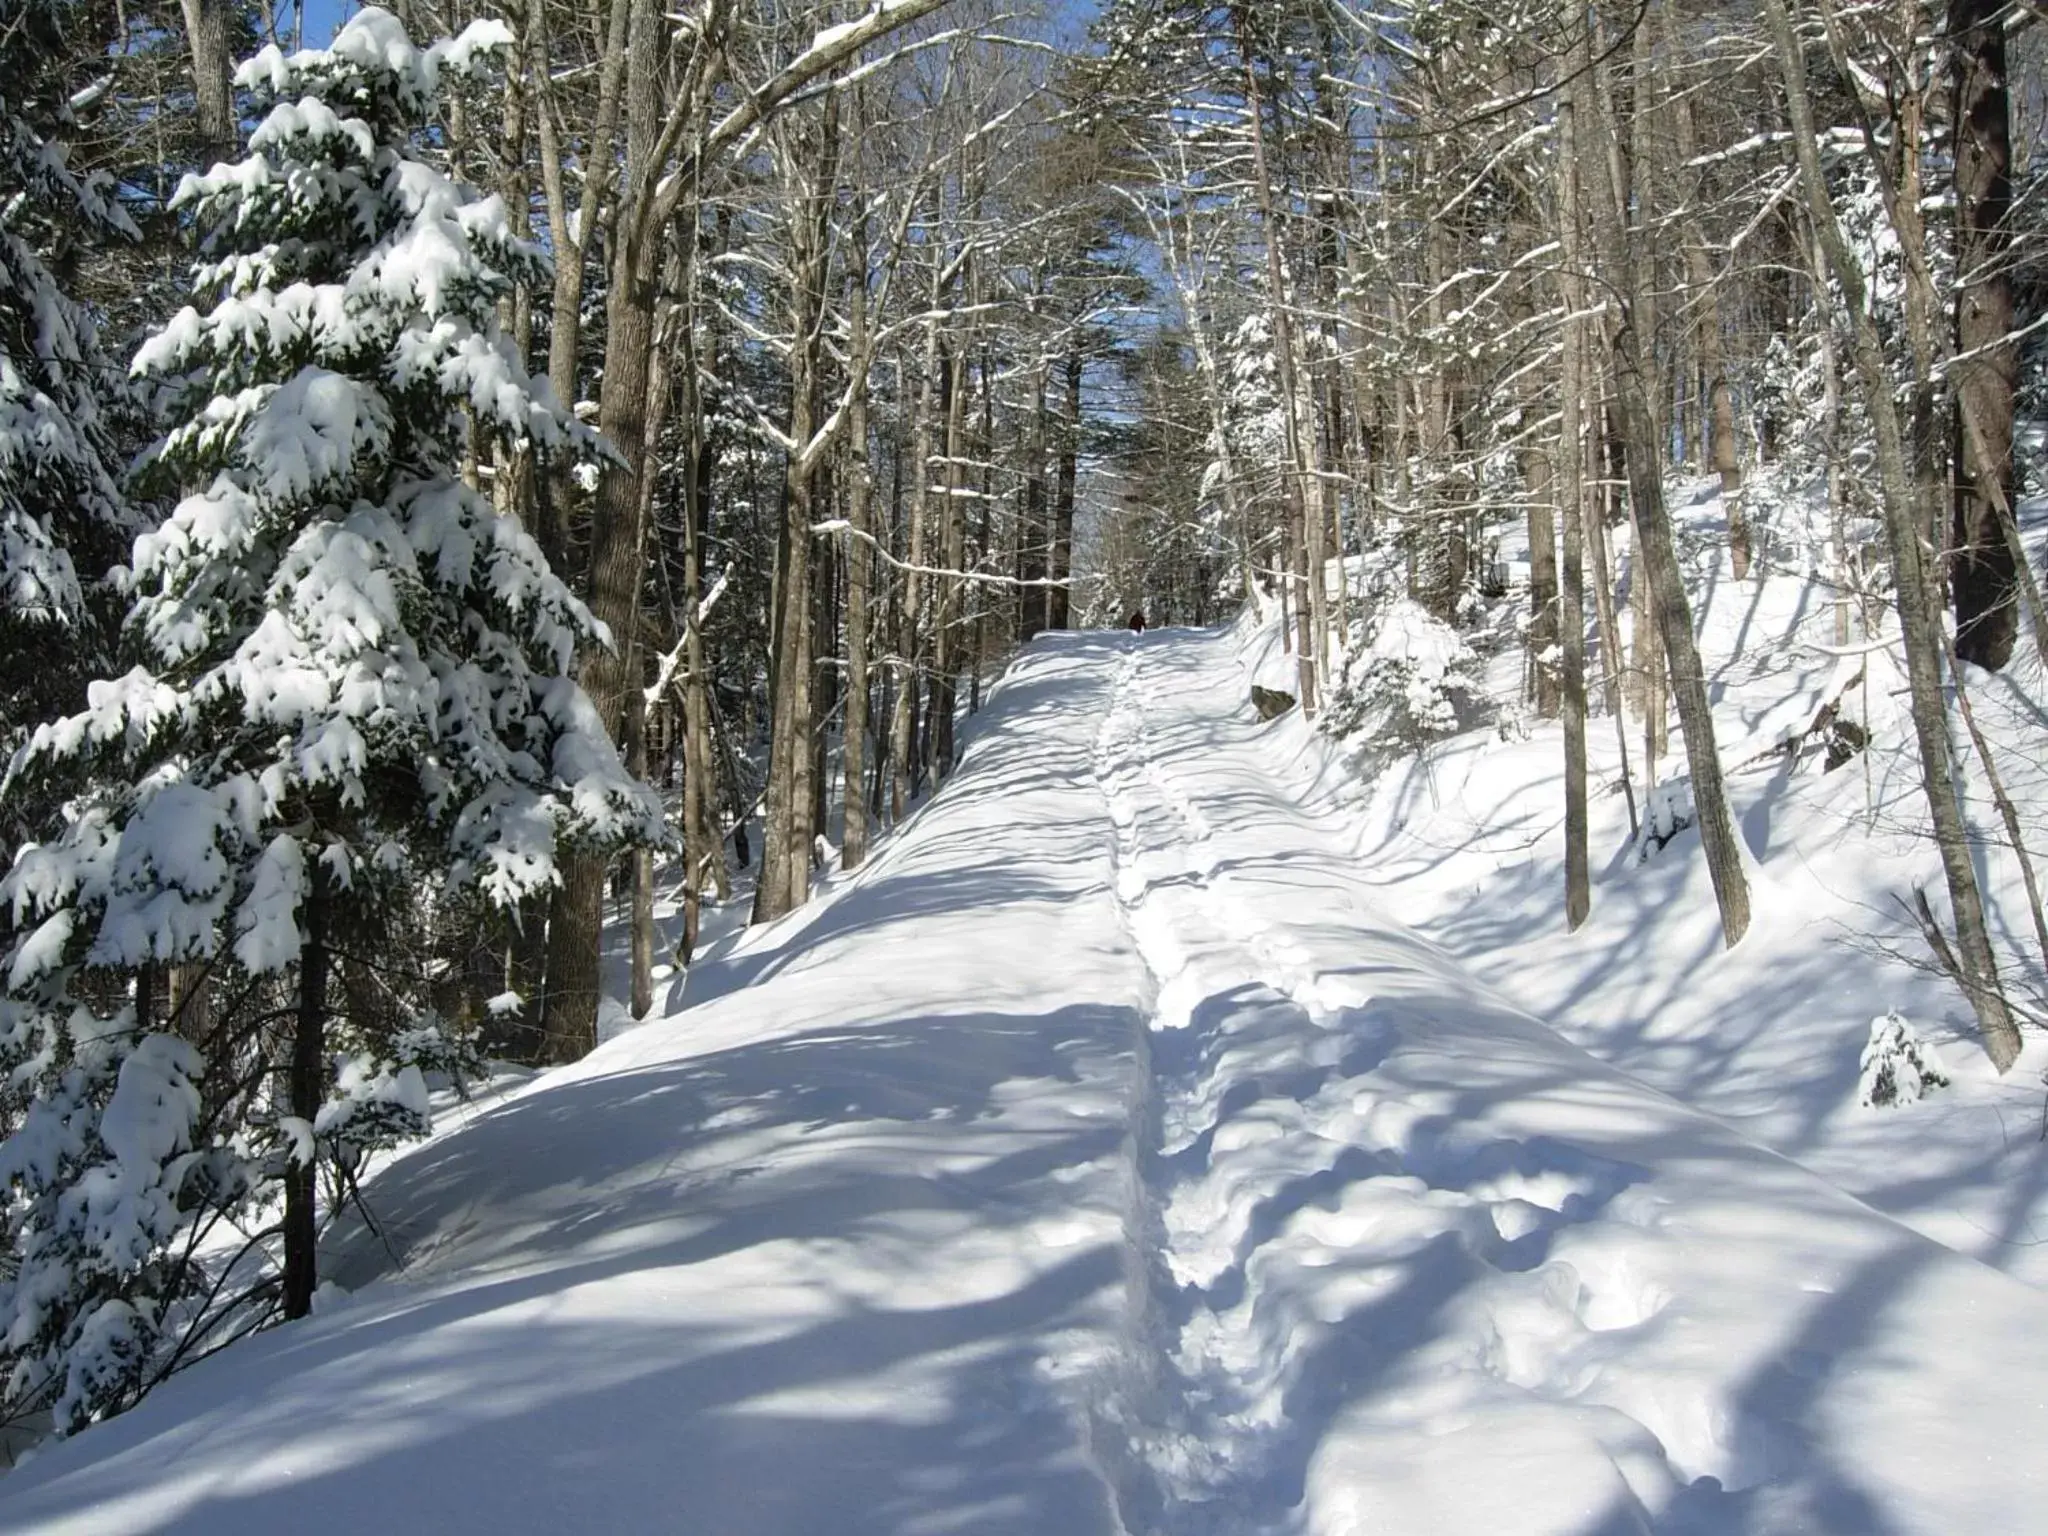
(1103, 1158)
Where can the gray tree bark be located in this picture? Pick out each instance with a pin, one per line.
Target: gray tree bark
(1308, 574)
(623, 416)
(1704, 297)
(1578, 894)
(1060, 567)
(213, 68)
(860, 562)
(787, 834)
(919, 512)
(1983, 572)
(1908, 532)
(1632, 376)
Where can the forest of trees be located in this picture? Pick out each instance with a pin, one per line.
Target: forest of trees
(452, 478)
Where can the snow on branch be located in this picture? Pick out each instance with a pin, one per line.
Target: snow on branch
(666, 673)
(830, 48)
(977, 578)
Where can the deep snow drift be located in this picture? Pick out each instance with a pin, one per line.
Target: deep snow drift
(1106, 1156)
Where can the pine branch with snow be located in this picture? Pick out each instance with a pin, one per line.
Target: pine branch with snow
(351, 661)
(63, 519)
(1402, 681)
(106, 1175)
(1898, 1067)
(354, 686)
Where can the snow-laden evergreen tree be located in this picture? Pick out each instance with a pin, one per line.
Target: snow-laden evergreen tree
(353, 685)
(1898, 1067)
(1253, 414)
(63, 523)
(1405, 675)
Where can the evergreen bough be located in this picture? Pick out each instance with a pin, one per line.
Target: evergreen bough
(63, 520)
(1898, 1067)
(353, 683)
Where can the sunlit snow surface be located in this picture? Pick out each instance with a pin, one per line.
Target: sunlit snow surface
(1106, 1156)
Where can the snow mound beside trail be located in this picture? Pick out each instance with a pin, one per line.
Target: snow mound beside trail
(1464, 838)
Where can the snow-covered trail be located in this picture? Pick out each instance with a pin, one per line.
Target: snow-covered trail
(1104, 1158)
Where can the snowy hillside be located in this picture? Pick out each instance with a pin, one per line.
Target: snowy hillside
(1465, 837)
(1109, 1156)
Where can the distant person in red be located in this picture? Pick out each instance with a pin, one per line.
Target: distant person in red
(1138, 622)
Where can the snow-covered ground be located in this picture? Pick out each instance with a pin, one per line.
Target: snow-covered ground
(1111, 1155)
(1467, 838)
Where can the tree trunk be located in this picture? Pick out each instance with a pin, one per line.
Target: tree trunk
(1307, 602)
(641, 942)
(1341, 462)
(1831, 439)
(1627, 184)
(575, 934)
(521, 1037)
(1323, 521)
(1639, 176)
(1592, 458)
(1543, 598)
(308, 1088)
(1034, 536)
(575, 929)
(1923, 313)
(1627, 345)
(903, 726)
(1430, 581)
(1919, 618)
(860, 560)
(821, 638)
(1983, 573)
(213, 67)
(1236, 513)
(1720, 398)
(984, 531)
(1592, 469)
(702, 846)
(1060, 568)
(1578, 896)
(946, 618)
(636, 705)
(569, 232)
(793, 779)
(615, 571)
(785, 861)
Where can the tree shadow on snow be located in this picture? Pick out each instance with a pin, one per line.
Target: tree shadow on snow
(509, 1384)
